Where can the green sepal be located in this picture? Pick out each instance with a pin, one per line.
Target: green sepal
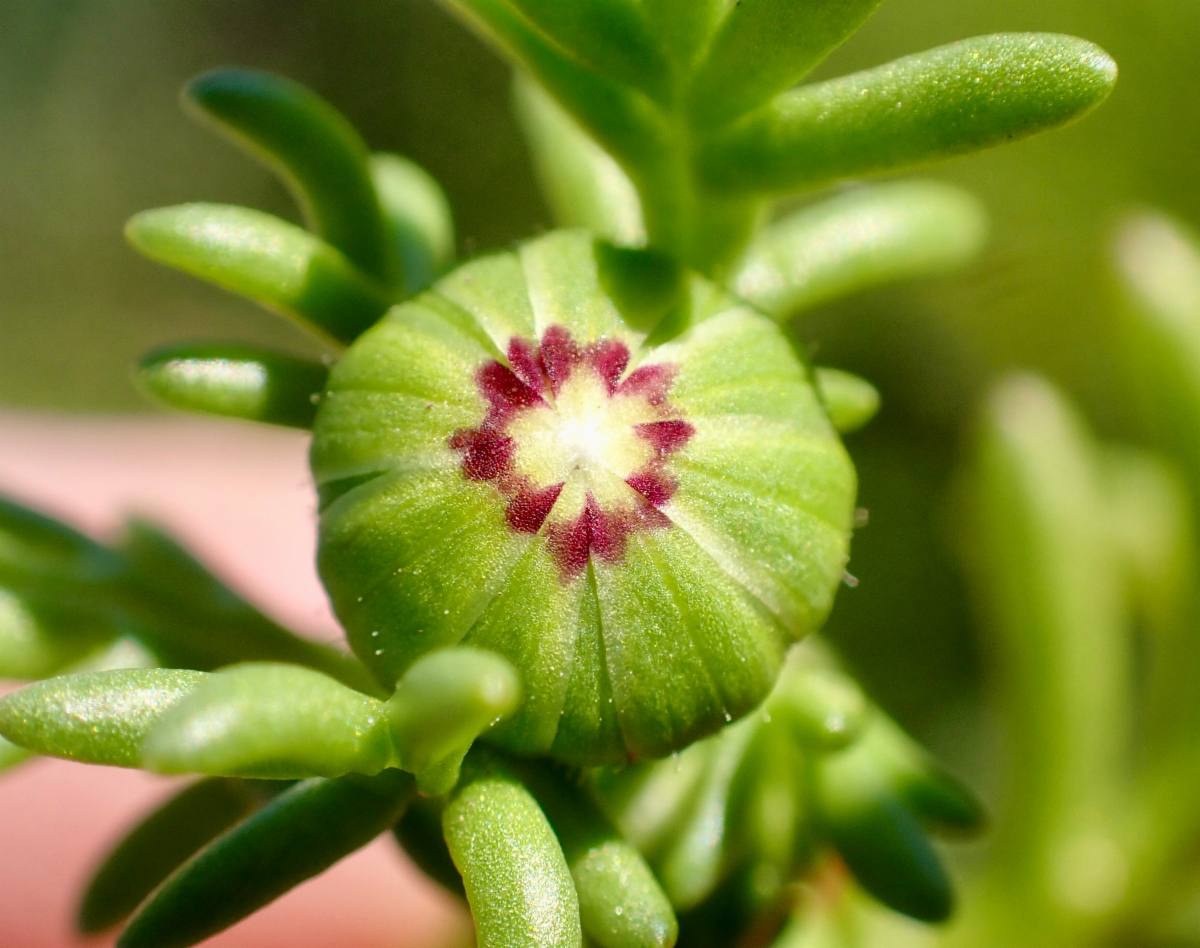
(272, 721)
(582, 183)
(299, 834)
(95, 718)
(263, 258)
(859, 240)
(766, 46)
(312, 147)
(851, 401)
(877, 835)
(517, 880)
(924, 108)
(442, 703)
(418, 216)
(621, 904)
(235, 381)
(419, 834)
(158, 845)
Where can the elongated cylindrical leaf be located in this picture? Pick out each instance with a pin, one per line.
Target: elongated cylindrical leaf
(766, 46)
(11, 755)
(924, 108)
(158, 845)
(823, 708)
(859, 240)
(265, 259)
(621, 904)
(582, 183)
(38, 549)
(97, 718)
(880, 840)
(236, 382)
(445, 700)
(316, 151)
(418, 216)
(517, 881)
(610, 36)
(273, 721)
(297, 835)
(850, 401)
(38, 640)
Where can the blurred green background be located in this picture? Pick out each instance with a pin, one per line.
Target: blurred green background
(90, 132)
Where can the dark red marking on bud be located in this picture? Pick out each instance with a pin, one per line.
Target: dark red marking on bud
(666, 436)
(535, 373)
(651, 382)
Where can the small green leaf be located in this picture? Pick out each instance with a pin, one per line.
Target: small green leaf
(277, 264)
(443, 702)
(924, 108)
(850, 401)
(419, 217)
(39, 640)
(823, 708)
(313, 148)
(299, 834)
(621, 904)
(158, 845)
(96, 718)
(38, 548)
(766, 46)
(236, 382)
(859, 240)
(518, 884)
(610, 37)
(582, 183)
(272, 721)
(880, 840)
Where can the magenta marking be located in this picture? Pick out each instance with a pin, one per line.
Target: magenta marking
(536, 371)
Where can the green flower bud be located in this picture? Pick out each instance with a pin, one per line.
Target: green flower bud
(639, 529)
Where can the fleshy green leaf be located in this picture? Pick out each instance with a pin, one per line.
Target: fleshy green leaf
(11, 755)
(583, 184)
(824, 709)
(851, 401)
(297, 835)
(859, 240)
(621, 904)
(419, 217)
(272, 721)
(39, 640)
(766, 46)
(313, 148)
(518, 884)
(949, 101)
(879, 838)
(268, 260)
(443, 702)
(158, 845)
(236, 382)
(97, 718)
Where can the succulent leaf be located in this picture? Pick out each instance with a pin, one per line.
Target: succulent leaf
(299, 834)
(271, 721)
(38, 640)
(506, 464)
(422, 226)
(158, 845)
(317, 153)
(276, 264)
(96, 718)
(517, 881)
(850, 401)
(621, 904)
(859, 240)
(766, 46)
(11, 755)
(582, 183)
(236, 382)
(924, 108)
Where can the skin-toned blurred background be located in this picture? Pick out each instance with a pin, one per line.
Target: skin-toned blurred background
(91, 132)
